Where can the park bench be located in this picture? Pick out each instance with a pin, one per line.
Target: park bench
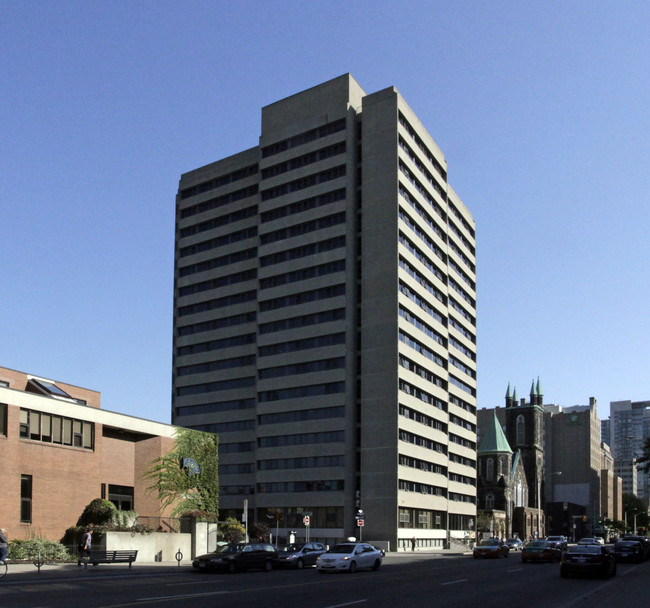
(122, 556)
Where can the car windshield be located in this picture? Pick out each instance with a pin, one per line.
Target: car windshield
(513, 540)
(293, 548)
(488, 543)
(234, 548)
(537, 543)
(342, 549)
(554, 538)
(584, 549)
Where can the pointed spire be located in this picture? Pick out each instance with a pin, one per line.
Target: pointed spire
(540, 393)
(515, 399)
(493, 439)
(533, 393)
(508, 396)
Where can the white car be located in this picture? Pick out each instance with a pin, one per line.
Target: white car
(349, 557)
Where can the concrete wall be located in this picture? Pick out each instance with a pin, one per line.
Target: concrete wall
(155, 547)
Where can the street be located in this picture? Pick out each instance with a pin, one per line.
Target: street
(452, 581)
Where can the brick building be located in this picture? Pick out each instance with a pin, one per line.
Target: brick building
(60, 451)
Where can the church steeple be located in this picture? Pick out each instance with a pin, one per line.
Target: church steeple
(540, 393)
(533, 394)
(508, 397)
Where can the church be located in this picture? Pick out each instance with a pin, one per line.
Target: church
(510, 468)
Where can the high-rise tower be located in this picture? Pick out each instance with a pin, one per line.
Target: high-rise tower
(325, 321)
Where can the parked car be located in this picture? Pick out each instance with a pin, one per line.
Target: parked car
(645, 542)
(514, 544)
(588, 559)
(492, 547)
(629, 550)
(560, 542)
(238, 556)
(299, 555)
(349, 557)
(540, 551)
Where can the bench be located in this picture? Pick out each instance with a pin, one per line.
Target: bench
(122, 556)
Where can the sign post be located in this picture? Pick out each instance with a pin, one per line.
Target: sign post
(306, 521)
(361, 521)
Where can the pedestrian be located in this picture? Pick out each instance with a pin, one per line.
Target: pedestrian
(413, 543)
(84, 547)
(3, 544)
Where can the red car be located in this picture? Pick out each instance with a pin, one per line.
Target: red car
(492, 547)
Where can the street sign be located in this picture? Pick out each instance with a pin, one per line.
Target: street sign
(360, 522)
(306, 520)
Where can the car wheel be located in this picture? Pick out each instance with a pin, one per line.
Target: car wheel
(376, 565)
(232, 567)
(353, 567)
(268, 565)
(300, 564)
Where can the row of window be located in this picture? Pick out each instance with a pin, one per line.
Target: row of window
(219, 201)
(303, 367)
(220, 406)
(462, 274)
(423, 148)
(219, 241)
(214, 304)
(424, 442)
(301, 439)
(421, 418)
(420, 210)
(462, 385)
(462, 367)
(320, 223)
(320, 413)
(224, 260)
(213, 366)
(422, 280)
(295, 299)
(422, 465)
(51, 428)
(423, 170)
(424, 328)
(297, 392)
(304, 344)
(423, 191)
(304, 182)
(304, 160)
(209, 387)
(204, 347)
(308, 462)
(422, 519)
(218, 282)
(303, 274)
(226, 427)
(222, 180)
(466, 443)
(422, 395)
(303, 138)
(306, 204)
(462, 330)
(197, 328)
(217, 222)
(322, 485)
(424, 305)
(421, 348)
(326, 316)
(303, 251)
(422, 488)
(423, 259)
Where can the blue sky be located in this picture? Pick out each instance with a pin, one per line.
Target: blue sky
(542, 110)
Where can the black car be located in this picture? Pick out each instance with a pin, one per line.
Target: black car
(628, 549)
(645, 542)
(238, 556)
(588, 559)
(299, 555)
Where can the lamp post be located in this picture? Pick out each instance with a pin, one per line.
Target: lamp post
(539, 500)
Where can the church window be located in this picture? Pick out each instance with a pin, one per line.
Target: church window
(489, 466)
(521, 430)
(489, 501)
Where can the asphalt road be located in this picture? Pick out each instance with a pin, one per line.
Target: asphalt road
(452, 581)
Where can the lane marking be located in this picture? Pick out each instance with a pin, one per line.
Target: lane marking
(347, 604)
(461, 580)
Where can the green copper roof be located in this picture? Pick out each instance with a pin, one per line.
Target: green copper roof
(493, 439)
(508, 393)
(533, 392)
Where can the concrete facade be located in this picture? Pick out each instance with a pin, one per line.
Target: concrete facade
(60, 451)
(325, 321)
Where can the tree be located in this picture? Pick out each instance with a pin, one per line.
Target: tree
(643, 463)
(232, 530)
(633, 505)
(187, 477)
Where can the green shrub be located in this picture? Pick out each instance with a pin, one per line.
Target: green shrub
(28, 549)
(98, 512)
